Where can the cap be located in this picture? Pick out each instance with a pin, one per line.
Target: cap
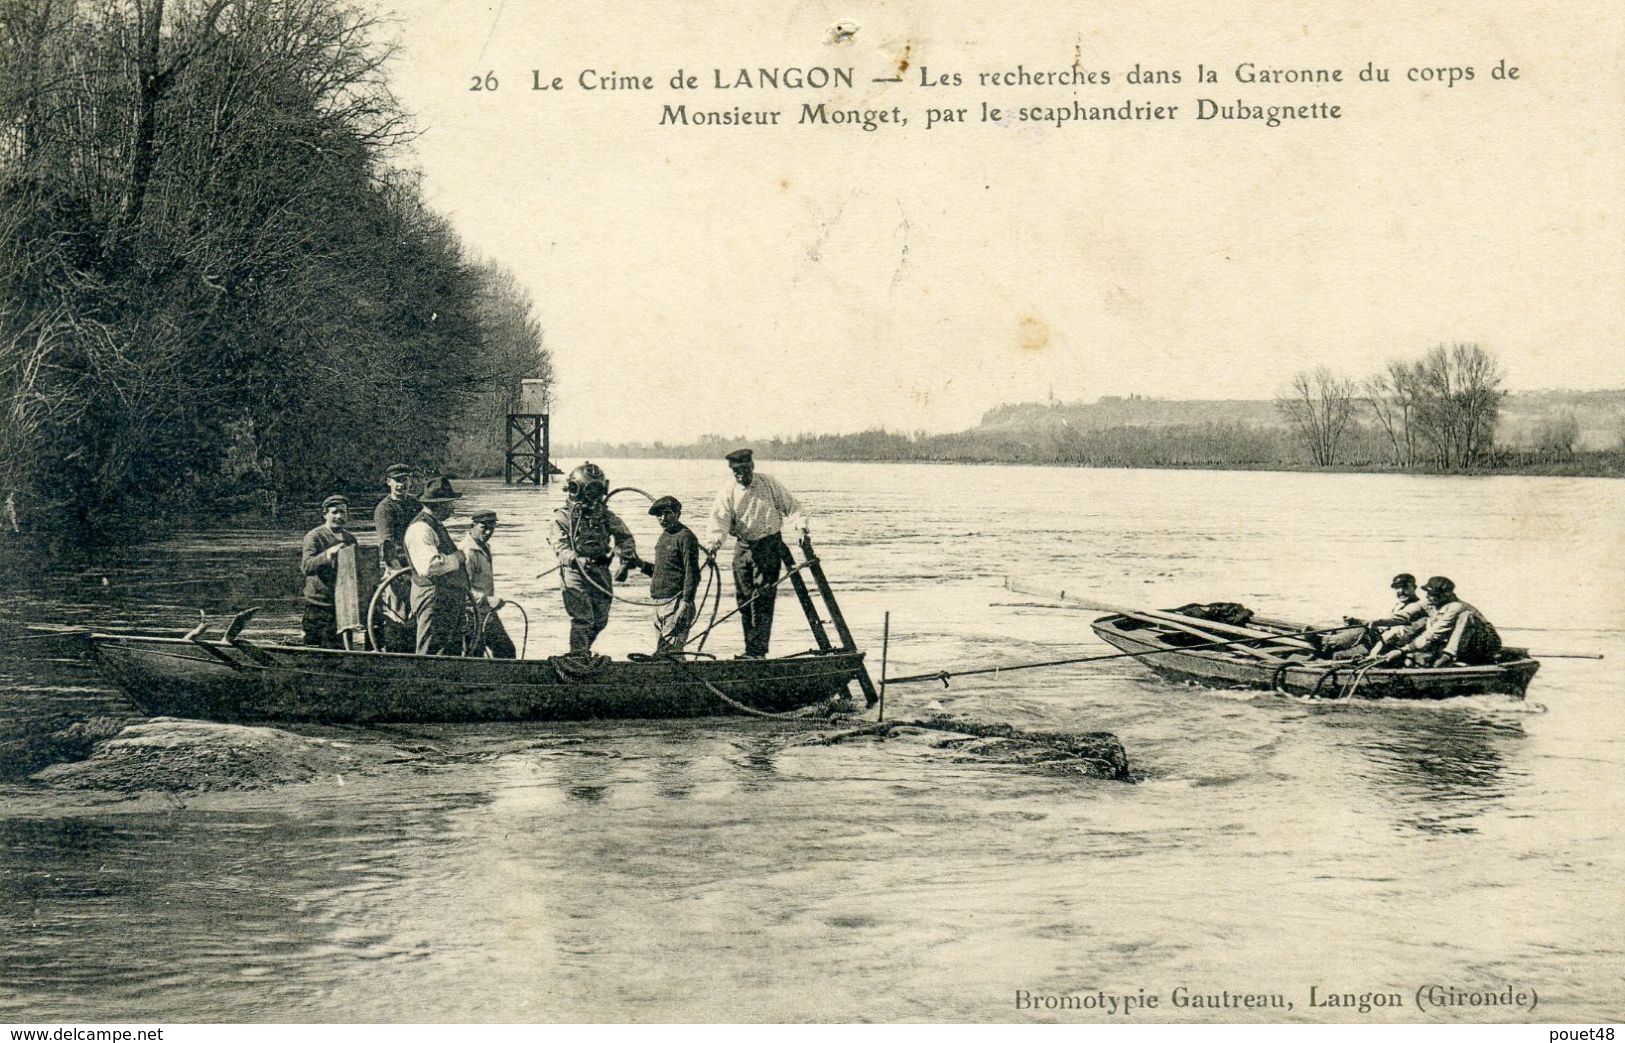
(335, 501)
(439, 490)
(739, 456)
(1439, 585)
(482, 517)
(398, 471)
(1404, 579)
(666, 503)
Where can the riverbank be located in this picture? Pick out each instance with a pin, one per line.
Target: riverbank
(951, 449)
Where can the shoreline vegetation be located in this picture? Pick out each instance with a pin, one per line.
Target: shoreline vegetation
(221, 287)
(1551, 433)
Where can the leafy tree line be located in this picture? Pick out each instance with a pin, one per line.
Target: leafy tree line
(216, 279)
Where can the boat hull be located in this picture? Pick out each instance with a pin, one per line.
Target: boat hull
(1281, 669)
(220, 681)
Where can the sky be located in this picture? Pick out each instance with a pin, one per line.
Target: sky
(745, 280)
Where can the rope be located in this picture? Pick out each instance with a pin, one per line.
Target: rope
(1329, 674)
(524, 639)
(1358, 679)
(581, 570)
(774, 586)
(372, 606)
(944, 675)
(732, 702)
(713, 591)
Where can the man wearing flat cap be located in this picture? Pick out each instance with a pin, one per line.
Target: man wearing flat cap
(489, 634)
(753, 509)
(676, 577)
(1403, 622)
(319, 561)
(390, 519)
(439, 579)
(1454, 633)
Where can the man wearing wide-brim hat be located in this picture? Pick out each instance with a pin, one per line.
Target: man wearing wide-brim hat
(753, 508)
(390, 520)
(439, 579)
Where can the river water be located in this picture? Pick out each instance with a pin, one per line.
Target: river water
(705, 870)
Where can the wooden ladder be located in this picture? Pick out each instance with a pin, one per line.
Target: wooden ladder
(816, 624)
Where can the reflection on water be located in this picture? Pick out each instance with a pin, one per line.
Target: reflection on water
(1440, 766)
(713, 870)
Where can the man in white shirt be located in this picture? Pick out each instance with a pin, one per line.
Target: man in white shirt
(439, 580)
(753, 509)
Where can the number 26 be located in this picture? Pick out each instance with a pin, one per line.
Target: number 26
(488, 82)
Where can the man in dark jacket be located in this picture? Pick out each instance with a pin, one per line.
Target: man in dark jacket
(676, 576)
(390, 518)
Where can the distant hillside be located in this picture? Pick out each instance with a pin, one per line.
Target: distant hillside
(1600, 415)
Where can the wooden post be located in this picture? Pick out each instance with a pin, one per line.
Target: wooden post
(885, 650)
(546, 463)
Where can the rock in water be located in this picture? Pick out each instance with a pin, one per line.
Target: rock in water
(1097, 754)
(192, 756)
(59, 739)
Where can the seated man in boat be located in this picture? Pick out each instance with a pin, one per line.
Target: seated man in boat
(1401, 624)
(676, 576)
(319, 561)
(489, 635)
(439, 578)
(1453, 633)
(585, 536)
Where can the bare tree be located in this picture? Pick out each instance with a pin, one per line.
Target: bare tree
(1319, 406)
(1459, 404)
(1392, 396)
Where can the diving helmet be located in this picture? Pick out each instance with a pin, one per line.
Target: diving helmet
(587, 482)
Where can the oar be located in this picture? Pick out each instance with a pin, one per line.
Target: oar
(944, 675)
(1189, 623)
(1017, 586)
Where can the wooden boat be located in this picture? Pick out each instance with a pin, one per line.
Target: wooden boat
(240, 680)
(236, 679)
(1277, 661)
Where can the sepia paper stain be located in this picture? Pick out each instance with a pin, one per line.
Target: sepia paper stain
(902, 257)
(1032, 334)
(902, 59)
